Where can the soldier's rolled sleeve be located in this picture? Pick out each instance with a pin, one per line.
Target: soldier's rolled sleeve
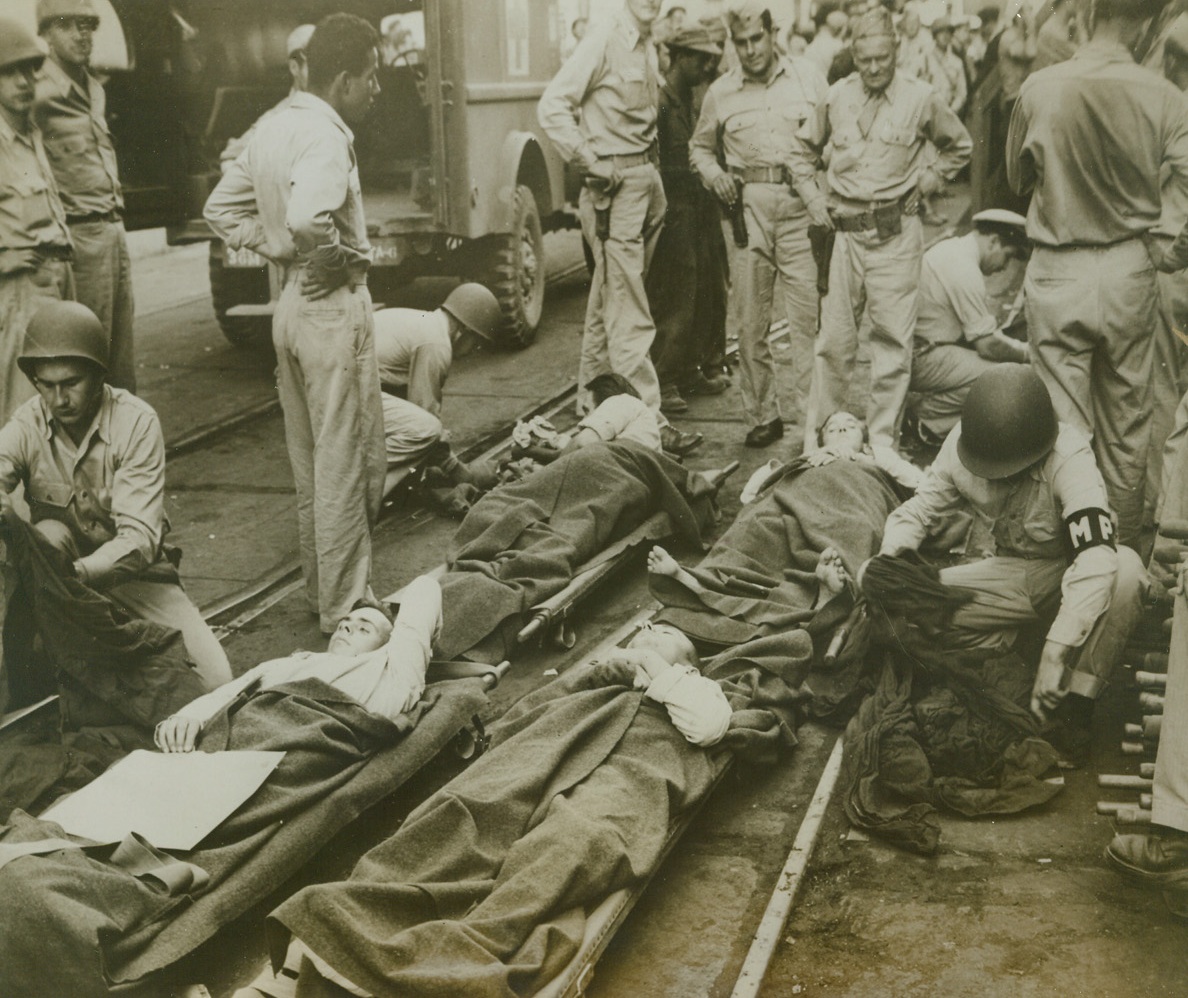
(318, 187)
(137, 507)
(936, 497)
(805, 156)
(1020, 167)
(559, 110)
(232, 211)
(1088, 583)
(952, 141)
(703, 146)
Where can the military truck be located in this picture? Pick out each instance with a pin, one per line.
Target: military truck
(457, 177)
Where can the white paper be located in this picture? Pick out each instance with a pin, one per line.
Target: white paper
(174, 799)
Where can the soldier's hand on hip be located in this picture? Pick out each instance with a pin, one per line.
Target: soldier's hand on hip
(725, 190)
(317, 284)
(818, 213)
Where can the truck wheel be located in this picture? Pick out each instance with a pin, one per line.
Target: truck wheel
(230, 286)
(515, 272)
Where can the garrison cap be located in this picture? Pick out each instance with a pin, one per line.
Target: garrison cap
(743, 12)
(715, 27)
(695, 39)
(17, 46)
(876, 23)
(47, 10)
(942, 23)
(298, 38)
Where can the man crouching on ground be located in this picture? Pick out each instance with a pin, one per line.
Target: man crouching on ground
(92, 461)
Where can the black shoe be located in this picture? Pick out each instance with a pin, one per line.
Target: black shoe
(675, 442)
(765, 433)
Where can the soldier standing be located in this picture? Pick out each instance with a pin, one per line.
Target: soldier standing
(687, 280)
(749, 121)
(1088, 139)
(34, 240)
(880, 125)
(293, 196)
(70, 111)
(600, 112)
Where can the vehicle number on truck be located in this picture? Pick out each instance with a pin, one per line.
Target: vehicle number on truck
(242, 258)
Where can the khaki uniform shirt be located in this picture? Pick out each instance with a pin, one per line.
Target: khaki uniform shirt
(952, 302)
(603, 101)
(73, 124)
(1027, 521)
(879, 141)
(110, 490)
(1089, 138)
(755, 121)
(414, 353)
(293, 195)
(31, 213)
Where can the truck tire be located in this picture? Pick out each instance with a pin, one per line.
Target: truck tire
(514, 269)
(230, 286)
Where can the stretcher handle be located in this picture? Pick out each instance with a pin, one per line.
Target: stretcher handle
(489, 674)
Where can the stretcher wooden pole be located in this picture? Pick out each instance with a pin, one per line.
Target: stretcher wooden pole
(1151, 703)
(1151, 680)
(1124, 781)
(489, 674)
(585, 579)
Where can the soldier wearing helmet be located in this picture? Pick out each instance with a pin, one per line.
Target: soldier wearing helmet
(1036, 483)
(92, 461)
(415, 349)
(35, 243)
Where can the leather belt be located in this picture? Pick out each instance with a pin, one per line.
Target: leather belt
(867, 220)
(94, 216)
(759, 174)
(632, 159)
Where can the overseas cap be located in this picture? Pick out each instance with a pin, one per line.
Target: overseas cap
(17, 45)
(298, 38)
(743, 12)
(875, 23)
(695, 39)
(47, 10)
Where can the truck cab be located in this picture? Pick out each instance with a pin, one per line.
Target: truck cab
(458, 179)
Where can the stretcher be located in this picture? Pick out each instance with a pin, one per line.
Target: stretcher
(459, 689)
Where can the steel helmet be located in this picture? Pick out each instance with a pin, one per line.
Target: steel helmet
(47, 10)
(17, 45)
(476, 308)
(61, 329)
(1007, 422)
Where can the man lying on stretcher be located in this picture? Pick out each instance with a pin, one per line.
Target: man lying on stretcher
(379, 662)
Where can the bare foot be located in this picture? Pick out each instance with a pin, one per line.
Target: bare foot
(660, 562)
(831, 571)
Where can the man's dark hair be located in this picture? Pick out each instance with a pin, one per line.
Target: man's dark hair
(824, 10)
(1011, 236)
(606, 386)
(342, 43)
(988, 15)
(673, 10)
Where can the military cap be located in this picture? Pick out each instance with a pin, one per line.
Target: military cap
(298, 38)
(48, 10)
(742, 12)
(715, 27)
(694, 39)
(942, 23)
(876, 23)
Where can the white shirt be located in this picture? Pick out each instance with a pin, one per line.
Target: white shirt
(952, 303)
(696, 704)
(624, 417)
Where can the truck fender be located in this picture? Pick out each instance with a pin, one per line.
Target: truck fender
(521, 162)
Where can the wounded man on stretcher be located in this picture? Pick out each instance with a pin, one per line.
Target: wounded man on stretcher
(352, 723)
(486, 887)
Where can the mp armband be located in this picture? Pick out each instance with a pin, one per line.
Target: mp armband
(1090, 528)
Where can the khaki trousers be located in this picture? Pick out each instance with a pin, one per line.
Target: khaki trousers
(619, 329)
(409, 431)
(1091, 317)
(1012, 592)
(778, 246)
(1170, 795)
(103, 282)
(20, 296)
(330, 394)
(943, 375)
(884, 275)
(1169, 382)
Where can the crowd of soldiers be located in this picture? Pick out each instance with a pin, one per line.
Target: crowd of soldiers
(822, 167)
